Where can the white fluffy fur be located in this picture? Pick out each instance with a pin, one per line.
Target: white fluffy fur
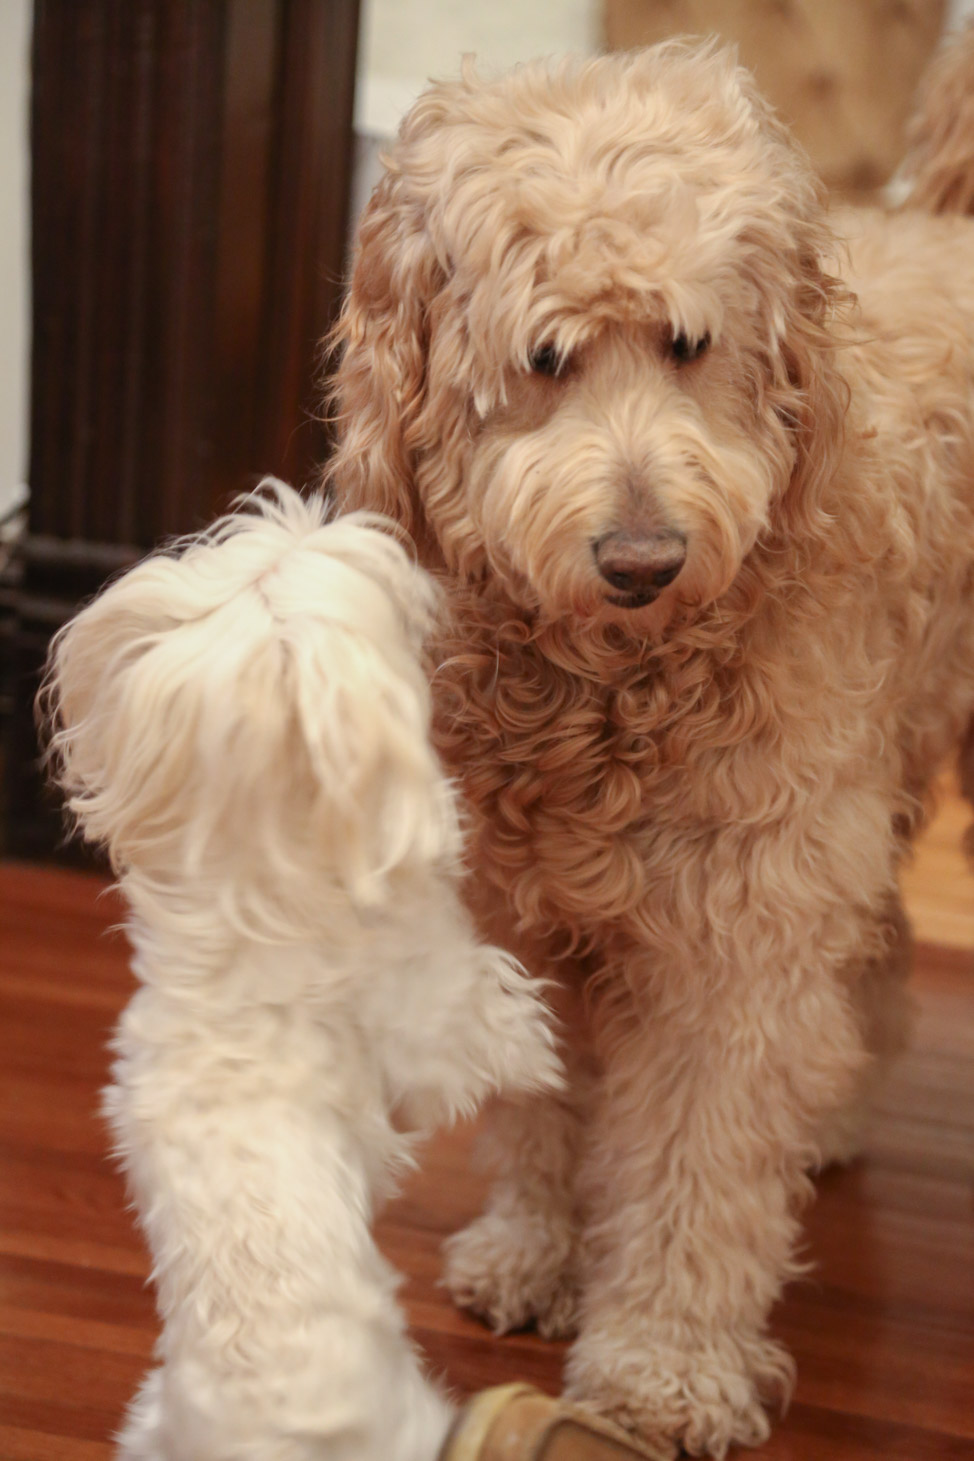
(244, 725)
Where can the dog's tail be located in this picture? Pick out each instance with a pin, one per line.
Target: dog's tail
(938, 170)
(248, 715)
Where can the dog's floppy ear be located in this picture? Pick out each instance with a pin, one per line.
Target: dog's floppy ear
(810, 309)
(383, 339)
(815, 396)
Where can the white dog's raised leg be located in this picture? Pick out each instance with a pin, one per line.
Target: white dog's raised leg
(254, 1154)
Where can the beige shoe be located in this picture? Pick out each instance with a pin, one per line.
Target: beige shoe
(517, 1423)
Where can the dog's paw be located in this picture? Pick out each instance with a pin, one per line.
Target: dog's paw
(702, 1397)
(513, 1027)
(513, 1269)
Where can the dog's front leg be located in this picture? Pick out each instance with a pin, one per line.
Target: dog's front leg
(517, 1263)
(719, 1072)
(253, 1134)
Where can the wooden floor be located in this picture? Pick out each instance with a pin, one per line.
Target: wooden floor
(883, 1331)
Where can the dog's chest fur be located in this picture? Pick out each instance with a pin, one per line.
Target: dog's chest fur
(577, 775)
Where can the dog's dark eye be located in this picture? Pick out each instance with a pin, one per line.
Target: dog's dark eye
(684, 350)
(546, 361)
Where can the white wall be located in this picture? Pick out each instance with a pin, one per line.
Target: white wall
(959, 11)
(14, 273)
(405, 42)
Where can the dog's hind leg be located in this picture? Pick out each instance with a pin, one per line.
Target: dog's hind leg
(882, 998)
(883, 1005)
(965, 772)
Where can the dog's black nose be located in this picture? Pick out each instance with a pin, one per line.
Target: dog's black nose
(640, 563)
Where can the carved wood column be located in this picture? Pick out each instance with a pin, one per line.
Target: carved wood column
(191, 164)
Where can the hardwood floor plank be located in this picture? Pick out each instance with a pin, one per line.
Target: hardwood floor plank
(31, 1445)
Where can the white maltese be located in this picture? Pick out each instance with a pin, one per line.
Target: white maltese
(243, 725)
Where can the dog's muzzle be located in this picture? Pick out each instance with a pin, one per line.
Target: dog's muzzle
(640, 566)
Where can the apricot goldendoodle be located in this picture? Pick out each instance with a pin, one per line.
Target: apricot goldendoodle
(699, 481)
